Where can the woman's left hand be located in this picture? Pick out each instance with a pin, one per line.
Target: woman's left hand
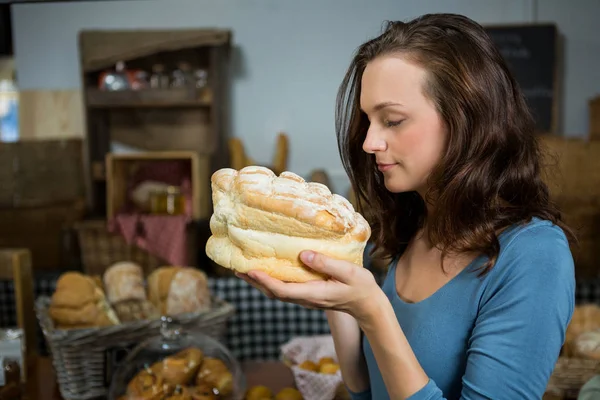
(350, 288)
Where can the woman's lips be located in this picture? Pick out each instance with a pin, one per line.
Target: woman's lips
(385, 167)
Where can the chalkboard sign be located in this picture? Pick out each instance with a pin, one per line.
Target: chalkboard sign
(531, 52)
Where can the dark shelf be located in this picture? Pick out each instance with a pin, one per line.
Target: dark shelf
(150, 98)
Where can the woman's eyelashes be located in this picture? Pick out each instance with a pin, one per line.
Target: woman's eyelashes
(391, 124)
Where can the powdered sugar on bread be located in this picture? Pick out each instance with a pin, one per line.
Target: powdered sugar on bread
(263, 221)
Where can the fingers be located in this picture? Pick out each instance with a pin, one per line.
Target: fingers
(340, 270)
(287, 291)
(255, 284)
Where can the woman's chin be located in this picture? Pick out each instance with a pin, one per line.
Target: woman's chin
(396, 185)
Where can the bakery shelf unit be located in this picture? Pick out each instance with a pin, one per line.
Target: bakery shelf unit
(154, 111)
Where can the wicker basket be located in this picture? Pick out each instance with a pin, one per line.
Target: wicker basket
(570, 374)
(101, 248)
(80, 357)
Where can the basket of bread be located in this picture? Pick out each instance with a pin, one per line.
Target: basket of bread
(579, 360)
(315, 367)
(89, 322)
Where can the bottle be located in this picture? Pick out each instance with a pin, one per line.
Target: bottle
(10, 380)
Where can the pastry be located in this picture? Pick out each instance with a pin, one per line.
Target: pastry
(214, 373)
(259, 392)
(124, 281)
(78, 302)
(586, 317)
(181, 367)
(148, 384)
(288, 394)
(176, 290)
(262, 222)
(135, 310)
(587, 345)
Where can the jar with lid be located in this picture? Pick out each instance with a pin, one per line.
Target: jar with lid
(178, 365)
(167, 202)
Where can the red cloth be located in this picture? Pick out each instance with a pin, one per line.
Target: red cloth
(163, 236)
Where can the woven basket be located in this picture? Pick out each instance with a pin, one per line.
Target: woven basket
(79, 356)
(101, 248)
(570, 374)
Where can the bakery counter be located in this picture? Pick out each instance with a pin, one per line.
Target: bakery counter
(273, 374)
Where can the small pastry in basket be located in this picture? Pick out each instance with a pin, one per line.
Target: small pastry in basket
(180, 368)
(259, 392)
(214, 372)
(288, 394)
(587, 345)
(78, 302)
(325, 360)
(124, 282)
(177, 290)
(329, 368)
(309, 366)
(149, 384)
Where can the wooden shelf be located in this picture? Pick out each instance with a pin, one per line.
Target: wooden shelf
(150, 98)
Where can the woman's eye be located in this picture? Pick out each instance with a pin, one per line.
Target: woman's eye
(391, 124)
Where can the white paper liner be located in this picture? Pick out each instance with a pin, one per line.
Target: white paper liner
(312, 385)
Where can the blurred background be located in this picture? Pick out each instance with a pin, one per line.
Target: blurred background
(114, 115)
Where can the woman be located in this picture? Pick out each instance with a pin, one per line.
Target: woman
(438, 143)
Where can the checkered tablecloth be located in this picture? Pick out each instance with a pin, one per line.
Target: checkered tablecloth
(260, 325)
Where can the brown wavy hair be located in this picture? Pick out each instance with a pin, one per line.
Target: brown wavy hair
(489, 177)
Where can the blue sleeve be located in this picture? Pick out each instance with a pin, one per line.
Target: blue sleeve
(523, 316)
(364, 395)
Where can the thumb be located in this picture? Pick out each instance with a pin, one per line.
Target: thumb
(337, 269)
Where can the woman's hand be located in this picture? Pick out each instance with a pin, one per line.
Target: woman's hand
(350, 288)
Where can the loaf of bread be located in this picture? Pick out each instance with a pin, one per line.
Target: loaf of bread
(176, 290)
(262, 222)
(124, 281)
(79, 302)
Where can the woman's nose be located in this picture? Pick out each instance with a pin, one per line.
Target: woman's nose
(374, 141)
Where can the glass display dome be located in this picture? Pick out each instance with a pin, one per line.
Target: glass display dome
(177, 365)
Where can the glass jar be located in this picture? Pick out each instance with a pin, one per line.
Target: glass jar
(178, 365)
(167, 202)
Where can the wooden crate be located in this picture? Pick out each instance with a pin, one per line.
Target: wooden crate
(36, 173)
(572, 172)
(120, 167)
(594, 110)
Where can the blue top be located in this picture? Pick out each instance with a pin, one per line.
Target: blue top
(497, 336)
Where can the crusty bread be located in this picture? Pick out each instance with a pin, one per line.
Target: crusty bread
(124, 281)
(176, 290)
(78, 302)
(262, 222)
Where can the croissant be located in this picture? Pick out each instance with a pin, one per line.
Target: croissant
(262, 221)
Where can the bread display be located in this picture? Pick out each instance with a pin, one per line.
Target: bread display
(177, 290)
(186, 375)
(262, 222)
(78, 302)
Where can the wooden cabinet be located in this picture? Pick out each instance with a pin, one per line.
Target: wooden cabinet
(153, 119)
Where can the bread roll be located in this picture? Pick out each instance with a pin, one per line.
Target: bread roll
(262, 222)
(124, 281)
(587, 345)
(176, 290)
(78, 302)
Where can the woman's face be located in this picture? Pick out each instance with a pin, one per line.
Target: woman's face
(405, 134)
